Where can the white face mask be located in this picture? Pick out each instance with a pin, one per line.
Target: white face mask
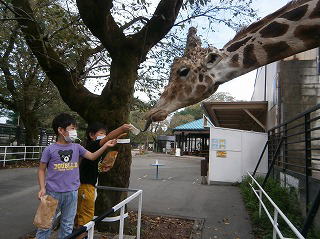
(72, 136)
(100, 137)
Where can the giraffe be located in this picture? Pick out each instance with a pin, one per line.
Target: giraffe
(198, 73)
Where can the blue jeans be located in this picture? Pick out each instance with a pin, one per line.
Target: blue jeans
(68, 207)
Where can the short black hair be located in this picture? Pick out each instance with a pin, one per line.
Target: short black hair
(62, 120)
(94, 128)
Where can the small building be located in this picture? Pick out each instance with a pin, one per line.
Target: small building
(164, 144)
(192, 138)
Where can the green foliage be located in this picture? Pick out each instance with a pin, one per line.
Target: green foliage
(155, 129)
(284, 198)
(180, 119)
(194, 110)
(154, 72)
(13, 118)
(221, 97)
(32, 92)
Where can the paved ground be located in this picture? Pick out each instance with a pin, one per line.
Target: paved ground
(18, 203)
(178, 193)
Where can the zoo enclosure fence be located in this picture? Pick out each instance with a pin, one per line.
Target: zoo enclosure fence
(19, 153)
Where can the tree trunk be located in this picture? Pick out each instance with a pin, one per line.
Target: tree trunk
(30, 123)
(114, 111)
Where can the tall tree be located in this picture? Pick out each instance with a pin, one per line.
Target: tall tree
(128, 44)
(24, 87)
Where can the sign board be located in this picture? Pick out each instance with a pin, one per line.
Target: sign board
(221, 154)
(218, 143)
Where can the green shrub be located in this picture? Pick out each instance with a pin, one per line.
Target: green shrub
(285, 198)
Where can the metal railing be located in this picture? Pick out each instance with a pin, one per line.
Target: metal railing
(297, 162)
(89, 227)
(18, 153)
(300, 151)
(260, 193)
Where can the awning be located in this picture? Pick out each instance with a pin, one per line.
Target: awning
(244, 115)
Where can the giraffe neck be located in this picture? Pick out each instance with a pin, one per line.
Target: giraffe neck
(288, 31)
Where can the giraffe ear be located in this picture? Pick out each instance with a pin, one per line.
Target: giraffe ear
(212, 59)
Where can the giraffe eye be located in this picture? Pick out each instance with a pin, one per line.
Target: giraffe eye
(183, 72)
(212, 59)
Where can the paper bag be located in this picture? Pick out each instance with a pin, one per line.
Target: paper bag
(107, 162)
(45, 212)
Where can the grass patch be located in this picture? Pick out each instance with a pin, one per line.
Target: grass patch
(284, 198)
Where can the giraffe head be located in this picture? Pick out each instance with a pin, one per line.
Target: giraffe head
(192, 78)
(198, 73)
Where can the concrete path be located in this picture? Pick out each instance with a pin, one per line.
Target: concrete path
(18, 201)
(178, 193)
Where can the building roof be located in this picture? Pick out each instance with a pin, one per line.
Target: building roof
(245, 115)
(194, 125)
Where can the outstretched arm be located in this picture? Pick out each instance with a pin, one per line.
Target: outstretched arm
(95, 155)
(115, 133)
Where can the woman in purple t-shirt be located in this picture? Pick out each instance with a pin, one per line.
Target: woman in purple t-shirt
(58, 172)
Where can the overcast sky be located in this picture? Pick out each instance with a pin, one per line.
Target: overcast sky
(242, 87)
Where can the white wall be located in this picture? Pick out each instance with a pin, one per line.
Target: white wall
(242, 150)
(253, 144)
(265, 87)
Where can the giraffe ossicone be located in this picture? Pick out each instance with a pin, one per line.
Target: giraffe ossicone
(198, 73)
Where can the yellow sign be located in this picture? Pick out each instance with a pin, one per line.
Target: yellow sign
(221, 154)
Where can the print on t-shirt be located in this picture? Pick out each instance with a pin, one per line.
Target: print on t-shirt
(65, 155)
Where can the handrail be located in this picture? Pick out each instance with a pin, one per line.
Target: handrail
(274, 220)
(89, 227)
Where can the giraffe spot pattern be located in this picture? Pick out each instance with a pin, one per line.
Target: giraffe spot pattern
(295, 14)
(188, 89)
(274, 29)
(208, 79)
(200, 89)
(200, 77)
(278, 49)
(316, 12)
(235, 60)
(181, 96)
(249, 58)
(235, 46)
(310, 35)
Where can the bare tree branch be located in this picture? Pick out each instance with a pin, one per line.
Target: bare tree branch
(140, 18)
(101, 23)
(63, 28)
(158, 26)
(79, 70)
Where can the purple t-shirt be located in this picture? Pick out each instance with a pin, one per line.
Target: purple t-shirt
(62, 166)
